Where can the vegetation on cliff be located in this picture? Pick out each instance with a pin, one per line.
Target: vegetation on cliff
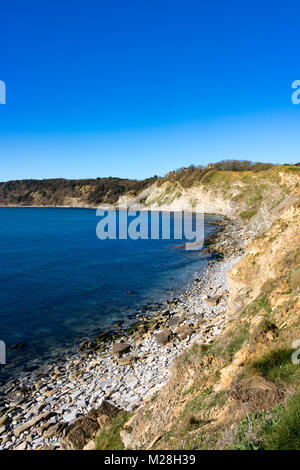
(242, 391)
(242, 186)
(62, 192)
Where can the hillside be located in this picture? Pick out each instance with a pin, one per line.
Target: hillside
(68, 193)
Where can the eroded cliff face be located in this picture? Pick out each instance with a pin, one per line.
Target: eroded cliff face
(247, 373)
(175, 198)
(249, 194)
(257, 198)
(266, 257)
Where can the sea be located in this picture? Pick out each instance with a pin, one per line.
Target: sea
(61, 284)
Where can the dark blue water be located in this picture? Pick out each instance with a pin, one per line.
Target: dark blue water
(59, 283)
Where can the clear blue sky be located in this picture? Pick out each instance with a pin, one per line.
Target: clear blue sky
(136, 88)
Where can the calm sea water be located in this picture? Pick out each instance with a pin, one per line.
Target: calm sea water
(60, 284)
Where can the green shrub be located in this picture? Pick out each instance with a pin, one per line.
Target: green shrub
(277, 366)
(249, 213)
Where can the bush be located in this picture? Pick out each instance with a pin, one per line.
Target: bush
(277, 366)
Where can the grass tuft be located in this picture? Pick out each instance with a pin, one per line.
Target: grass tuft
(285, 434)
(277, 366)
(109, 438)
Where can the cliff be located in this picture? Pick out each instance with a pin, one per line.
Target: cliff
(247, 194)
(241, 389)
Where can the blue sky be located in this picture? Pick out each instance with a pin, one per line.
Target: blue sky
(137, 88)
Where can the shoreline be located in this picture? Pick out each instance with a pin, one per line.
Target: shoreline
(151, 209)
(59, 394)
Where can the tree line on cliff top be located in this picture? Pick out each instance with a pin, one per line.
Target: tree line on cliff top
(108, 190)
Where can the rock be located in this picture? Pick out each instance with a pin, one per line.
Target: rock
(212, 301)
(80, 432)
(33, 422)
(175, 321)
(184, 331)
(228, 373)
(5, 439)
(105, 335)
(125, 361)
(199, 320)
(216, 331)
(75, 376)
(3, 420)
(83, 346)
(236, 306)
(198, 317)
(21, 446)
(163, 336)
(207, 328)
(54, 430)
(107, 411)
(69, 417)
(118, 349)
(90, 445)
(126, 438)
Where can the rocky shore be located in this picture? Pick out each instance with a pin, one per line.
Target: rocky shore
(38, 410)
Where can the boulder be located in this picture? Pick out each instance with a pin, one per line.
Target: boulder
(80, 433)
(213, 301)
(184, 331)
(175, 321)
(54, 430)
(105, 336)
(125, 361)
(163, 337)
(119, 349)
(86, 345)
(33, 422)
